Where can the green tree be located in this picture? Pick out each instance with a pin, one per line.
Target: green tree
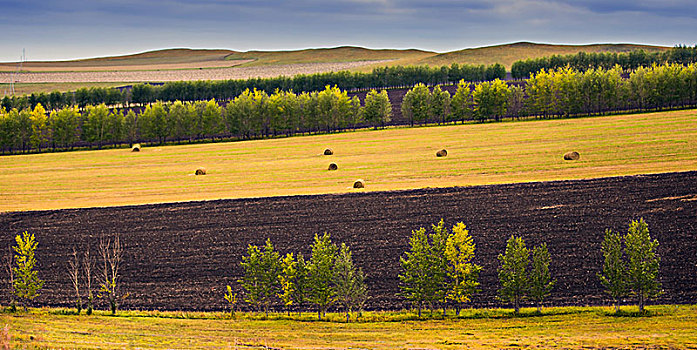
(349, 282)
(513, 273)
(438, 288)
(97, 126)
(491, 100)
(440, 104)
(463, 274)
(643, 262)
(416, 104)
(378, 109)
(261, 275)
(294, 281)
(461, 104)
(26, 278)
(541, 282)
(416, 270)
(130, 127)
(614, 275)
(231, 299)
(64, 125)
(321, 273)
(153, 122)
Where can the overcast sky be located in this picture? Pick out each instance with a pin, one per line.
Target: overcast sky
(51, 30)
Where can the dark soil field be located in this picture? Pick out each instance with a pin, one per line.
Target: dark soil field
(181, 255)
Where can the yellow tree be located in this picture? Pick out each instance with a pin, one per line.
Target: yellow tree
(462, 272)
(39, 126)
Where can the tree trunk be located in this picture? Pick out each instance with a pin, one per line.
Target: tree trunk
(516, 304)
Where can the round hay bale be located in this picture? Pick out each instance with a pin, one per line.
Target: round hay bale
(442, 153)
(135, 148)
(359, 184)
(328, 152)
(571, 156)
(200, 171)
(333, 166)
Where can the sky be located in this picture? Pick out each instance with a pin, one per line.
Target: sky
(70, 29)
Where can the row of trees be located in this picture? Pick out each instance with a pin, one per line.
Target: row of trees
(221, 90)
(328, 277)
(583, 61)
(561, 92)
(83, 269)
(251, 114)
(438, 269)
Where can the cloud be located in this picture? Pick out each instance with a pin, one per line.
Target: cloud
(71, 28)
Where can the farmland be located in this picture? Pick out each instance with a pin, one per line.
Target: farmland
(387, 159)
(180, 256)
(569, 328)
(187, 64)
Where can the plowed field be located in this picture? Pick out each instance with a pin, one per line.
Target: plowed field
(181, 255)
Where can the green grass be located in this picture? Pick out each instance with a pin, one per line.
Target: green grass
(400, 158)
(569, 327)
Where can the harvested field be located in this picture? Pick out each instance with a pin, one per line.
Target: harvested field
(181, 255)
(392, 159)
(184, 74)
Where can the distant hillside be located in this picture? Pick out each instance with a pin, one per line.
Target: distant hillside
(508, 53)
(196, 58)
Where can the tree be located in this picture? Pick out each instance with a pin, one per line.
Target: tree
(88, 269)
(130, 127)
(321, 273)
(462, 272)
(416, 270)
(440, 104)
(461, 103)
(39, 127)
(261, 275)
(377, 109)
(96, 127)
(74, 275)
(416, 104)
(513, 273)
(294, 281)
(26, 278)
(643, 262)
(541, 282)
(438, 262)
(153, 122)
(231, 298)
(111, 253)
(349, 281)
(614, 275)
(64, 126)
(491, 100)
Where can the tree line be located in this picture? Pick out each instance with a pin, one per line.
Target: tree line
(561, 92)
(221, 90)
(583, 61)
(252, 114)
(437, 270)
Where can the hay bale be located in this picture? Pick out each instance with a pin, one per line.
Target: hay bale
(328, 152)
(333, 166)
(135, 148)
(200, 171)
(571, 156)
(359, 184)
(442, 153)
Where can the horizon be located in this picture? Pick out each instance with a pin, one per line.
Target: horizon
(29, 60)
